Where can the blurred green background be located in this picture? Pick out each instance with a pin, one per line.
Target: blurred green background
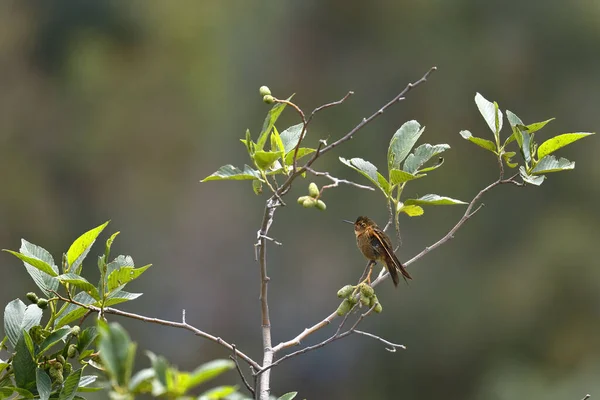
(116, 109)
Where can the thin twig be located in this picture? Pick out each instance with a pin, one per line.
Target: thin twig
(392, 346)
(324, 106)
(173, 324)
(587, 396)
(234, 358)
(336, 181)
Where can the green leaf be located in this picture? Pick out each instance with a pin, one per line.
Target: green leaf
(421, 155)
(507, 156)
(23, 364)
(55, 337)
(483, 143)
(120, 296)
(497, 121)
(257, 187)
(433, 200)
(398, 176)
(557, 142)
(490, 113)
(402, 143)
(43, 384)
(142, 380)
(85, 338)
(302, 151)
(276, 142)
(288, 396)
(117, 352)
(536, 126)
(80, 283)
(124, 275)
(84, 383)
(73, 311)
(438, 164)
(369, 171)
(162, 372)
(291, 136)
(513, 120)
(81, 246)
(532, 179)
(45, 282)
(250, 145)
(208, 371)
(412, 210)
(229, 172)
(109, 243)
(70, 385)
(269, 123)
(264, 159)
(7, 391)
(118, 263)
(551, 164)
(218, 393)
(34, 262)
(18, 317)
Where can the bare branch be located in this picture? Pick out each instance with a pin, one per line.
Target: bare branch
(587, 396)
(392, 346)
(324, 106)
(336, 181)
(234, 358)
(182, 325)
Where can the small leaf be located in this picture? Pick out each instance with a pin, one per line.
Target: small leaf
(507, 156)
(421, 155)
(412, 210)
(257, 187)
(276, 142)
(124, 275)
(250, 145)
(488, 111)
(53, 338)
(218, 393)
(84, 383)
(438, 164)
(209, 371)
(398, 176)
(498, 121)
(34, 262)
(142, 379)
(120, 296)
(367, 170)
(80, 283)
(81, 246)
(532, 179)
(264, 159)
(434, 200)
(551, 164)
(288, 396)
(85, 338)
(109, 243)
(269, 123)
(536, 126)
(291, 136)
(70, 386)
(118, 263)
(73, 311)
(302, 152)
(483, 143)
(116, 350)
(229, 172)
(43, 384)
(557, 142)
(402, 143)
(513, 120)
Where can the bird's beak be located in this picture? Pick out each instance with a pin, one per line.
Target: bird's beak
(350, 222)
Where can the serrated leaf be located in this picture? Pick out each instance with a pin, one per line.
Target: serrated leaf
(81, 246)
(80, 283)
(70, 385)
(124, 275)
(302, 152)
(412, 210)
(119, 262)
(532, 179)
(231, 173)
(402, 143)
(23, 364)
(551, 164)
(557, 142)
(55, 337)
(288, 396)
(434, 200)
(483, 143)
(421, 155)
(488, 111)
(208, 371)
(217, 393)
(19, 317)
(34, 262)
(291, 136)
(369, 171)
(269, 123)
(264, 159)
(43, 384)
(120, 296)
(46, 283)
(398, 176)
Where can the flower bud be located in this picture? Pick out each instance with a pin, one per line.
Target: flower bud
(72, 350)
(344, 307)
(309, 202)
(301, 199)
(321, 205)
(60, 359)
(42, 303)
(345, 291)
(32, 297)
(269, 99)
(313, 190)
(264, 91)
(367, 290)
(364, 300)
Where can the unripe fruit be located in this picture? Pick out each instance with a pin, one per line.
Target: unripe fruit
(321, 205)
(32, 297)
(60, 359)
(68, 369)
(344, 307)
(42, 303)
(352, 300)
(378, 308)
(56, 375)
(75, 330)
(264, 91)
(313, 189)
(345, 291)
(367, 290)
(72, 350)
(269, 99)
(301, 199)
(364, 300)
(309, 202)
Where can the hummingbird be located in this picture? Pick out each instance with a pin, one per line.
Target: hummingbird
(376, 246)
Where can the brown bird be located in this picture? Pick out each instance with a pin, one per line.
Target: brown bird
(377, 246)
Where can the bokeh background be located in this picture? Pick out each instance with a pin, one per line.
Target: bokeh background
(116, 109)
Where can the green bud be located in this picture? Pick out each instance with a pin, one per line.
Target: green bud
(68, 369)
(345, 291)
(378, 308)
(264, 91)
(364, 300)
(75, 330)
(367, 290)
(42, 303)
(56, 375)
(36, 334)
(344, 307)
(309, 202)
(313, 190)
(375, 303)
(321, 205)
(32, 297)
(269, 99)
(301, 199)
(72, 350)
(353, 300)
(60, 359)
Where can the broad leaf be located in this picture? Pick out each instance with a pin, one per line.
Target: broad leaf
(70, 386)
(302, 151)
(34, 262)
(73, 311)
(229, 172)
(291, 136)
(536, 126)
(490, 113)
(124, 275)
(46, 283)
(109, 243)
(536, 180)
(557, 142)
(81, 247)
(369, 171)
(412, 210)
(264, 159)
(551, 164)
(402, 143)
(118, 263)
(483, 143)
(120, 296)
(269, 123)
(43, 384)
(23, 364)
(218, 393)
(19, 318)
(434, 200)
(209, 371)
(117, 351)
(421, 155)
(398, 176)
(85, 338)
(288, 396)
(55, 337)
(80, 283)
(513, 120)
